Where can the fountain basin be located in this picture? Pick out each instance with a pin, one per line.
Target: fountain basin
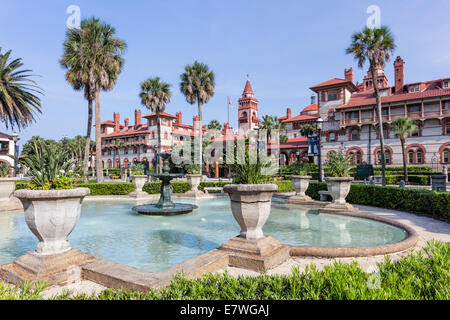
(154, 210)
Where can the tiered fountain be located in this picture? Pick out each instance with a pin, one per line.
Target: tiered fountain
(165, 206)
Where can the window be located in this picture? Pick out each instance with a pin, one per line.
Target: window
(446, 105)
(445, 155)
(295, 135)
(446, 85)
(387, 156)
(447, 128)
(332, 96)
(331, 116)
(332, 136)
(355, 157)
(413, 89)
(354, 135)
(384, 111)
(419, 156)
(385, 133)
(415, 133)
(414, 108)
(411, 156)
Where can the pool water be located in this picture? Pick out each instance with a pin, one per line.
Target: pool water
(112, 231)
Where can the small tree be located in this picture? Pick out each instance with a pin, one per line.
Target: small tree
(403, 127)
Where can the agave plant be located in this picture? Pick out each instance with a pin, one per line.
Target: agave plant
(50, 167)
(138, 169)
(338, 165)
(247, 172)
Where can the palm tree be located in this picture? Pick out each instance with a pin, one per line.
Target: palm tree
(307, 130)
(154, 95)
(18, 101)
(214, 124)
(118, 143)
(403, 127)
(77, 62)
(197, 85)
(95, 62)
(375, 45)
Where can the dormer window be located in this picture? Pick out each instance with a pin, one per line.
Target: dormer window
(413, 89)
(332, 96)
(446, 84)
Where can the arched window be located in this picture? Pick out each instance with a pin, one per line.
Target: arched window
(387, 156)
(355, 156)
(153, 134)
(411, 156)
(416, 154)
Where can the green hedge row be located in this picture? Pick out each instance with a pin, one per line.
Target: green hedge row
(417, 179)
(155, 187)
(427, 202)
(106, 189)
(417, 276)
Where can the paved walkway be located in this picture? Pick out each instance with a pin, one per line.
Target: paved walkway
(427, 229)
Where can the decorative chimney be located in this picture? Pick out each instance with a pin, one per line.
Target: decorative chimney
(137, 117)
(195, 120)
(348, 74)
(399, 74)
(116, 122)
(288, 113)
(178, 118)
(127, 122)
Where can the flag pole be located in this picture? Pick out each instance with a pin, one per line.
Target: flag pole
(228, 110)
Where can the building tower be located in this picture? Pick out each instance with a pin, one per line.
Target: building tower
(248, 109)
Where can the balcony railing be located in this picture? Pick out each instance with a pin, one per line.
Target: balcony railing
(4, 152)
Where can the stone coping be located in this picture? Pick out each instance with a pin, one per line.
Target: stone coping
(271, 187)
(341, 252)
(51, 194)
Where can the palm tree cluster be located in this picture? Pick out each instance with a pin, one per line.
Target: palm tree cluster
(93, 59)
(403, 127)
(271, 123)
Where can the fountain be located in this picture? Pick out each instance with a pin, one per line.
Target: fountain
(165, 206)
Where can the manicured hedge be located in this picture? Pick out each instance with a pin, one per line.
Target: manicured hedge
(416, 276)
(420, 201)
(417, 179)
(106, 189)
(155, 187)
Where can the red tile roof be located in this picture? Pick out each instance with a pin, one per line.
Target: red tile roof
(293, 143)
(248, 88)
(367, 97)
(300, 117)
(311, 107)
(332, 82)
(162, 114)
(126, 133)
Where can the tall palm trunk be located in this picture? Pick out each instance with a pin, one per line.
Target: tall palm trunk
(98, 139)
(405, 168)
(200, 128)
(120, 167)
(158, 129)
(87, 145)
(380, 122)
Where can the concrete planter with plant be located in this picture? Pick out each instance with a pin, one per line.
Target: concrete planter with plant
(194, 178)
(52, 202)
(300, 183)
(251, 199)
(338, 183)
(138, 178)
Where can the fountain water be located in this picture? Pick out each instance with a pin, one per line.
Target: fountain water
(165, 205)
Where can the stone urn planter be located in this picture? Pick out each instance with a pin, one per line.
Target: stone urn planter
(52, 215)
(7, 201)
(194, 181)
(338, 187)
(300, 184)
(250, 205)
(138, 183)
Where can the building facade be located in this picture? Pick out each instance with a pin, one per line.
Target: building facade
(7, 147)
(351, 121)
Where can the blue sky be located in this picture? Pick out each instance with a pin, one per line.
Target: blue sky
(284, 46)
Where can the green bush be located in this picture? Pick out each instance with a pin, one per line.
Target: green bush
(416, 179)
(284, 185)
(155, 187)
(419, 201)
(104, 189)
(212, 184)
(418, 276)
